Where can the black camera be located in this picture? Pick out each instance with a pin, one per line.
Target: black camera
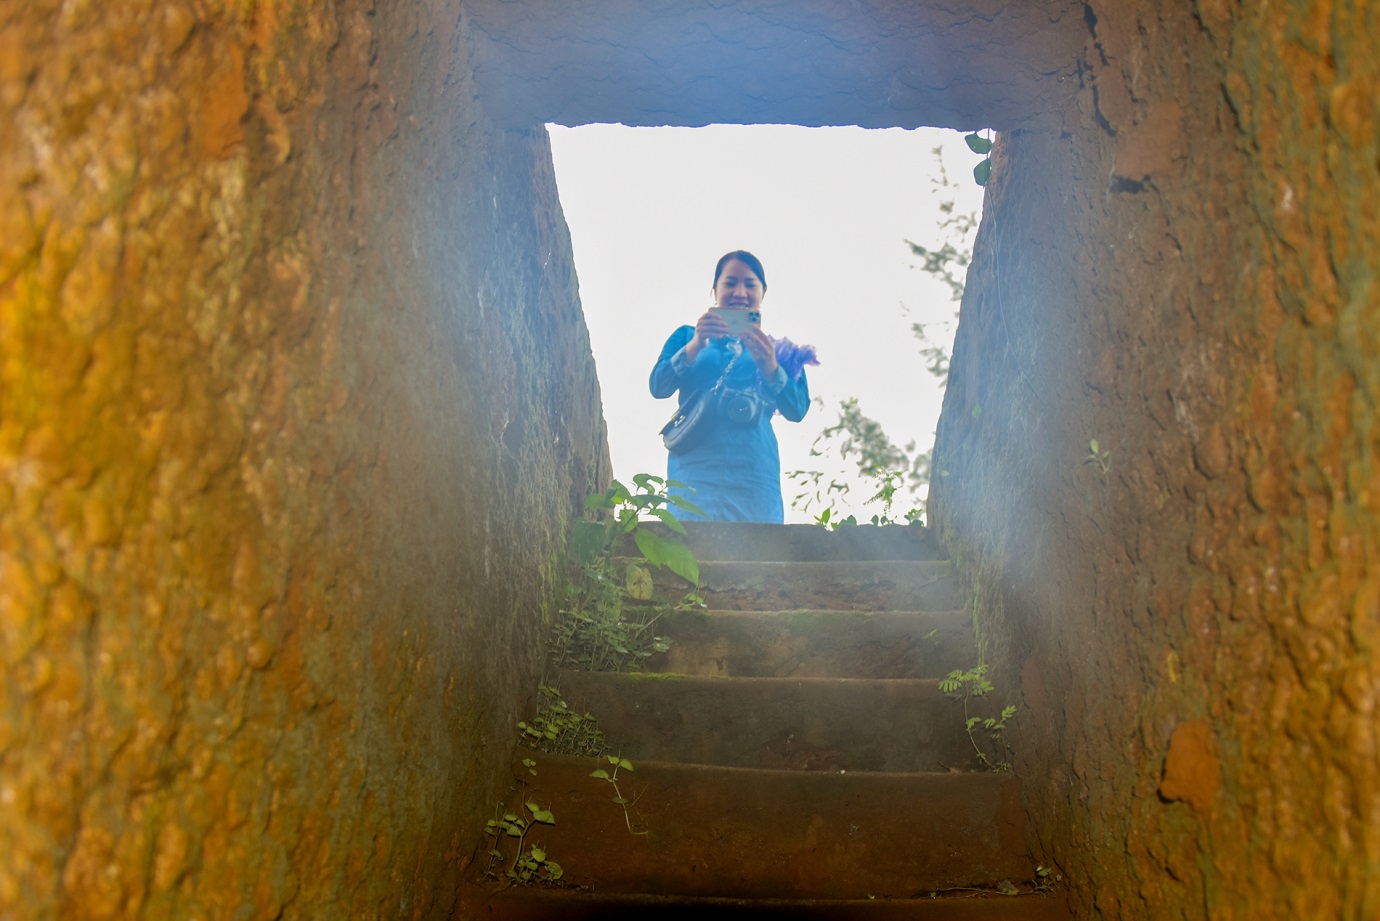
(741, 406)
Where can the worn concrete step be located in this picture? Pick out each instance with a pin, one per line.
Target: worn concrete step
(742, 541)
(528, 904)
(796, 724)
(692, 830)
(815, 644)
(885, 585)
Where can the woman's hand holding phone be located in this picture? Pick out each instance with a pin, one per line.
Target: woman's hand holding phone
(744, 324)
(709, 326)
(762, 349)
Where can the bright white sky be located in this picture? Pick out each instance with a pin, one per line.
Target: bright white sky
(827, 210)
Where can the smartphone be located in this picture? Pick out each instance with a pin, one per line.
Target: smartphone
(738, 320)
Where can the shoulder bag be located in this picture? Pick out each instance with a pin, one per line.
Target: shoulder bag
(693, 418)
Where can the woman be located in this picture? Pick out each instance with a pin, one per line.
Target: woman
(734, 472)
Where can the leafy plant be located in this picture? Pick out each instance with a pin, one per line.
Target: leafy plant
(889, 485)
(980, 145)
(529, 863)
(610, 609)
(965, 685)
(618, 797)
(1045, 879)
(1102, 459)
(559, 730)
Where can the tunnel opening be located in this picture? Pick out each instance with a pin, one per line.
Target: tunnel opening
(834, 213)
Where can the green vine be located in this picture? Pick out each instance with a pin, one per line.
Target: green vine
(559, 730)
(985, 733)
(983, 146)
(529, 864)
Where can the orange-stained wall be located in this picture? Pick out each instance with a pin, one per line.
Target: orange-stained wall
(295, 402)
(1189, 621)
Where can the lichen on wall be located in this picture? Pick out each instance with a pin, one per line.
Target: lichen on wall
(295, 401)
(1189, 611)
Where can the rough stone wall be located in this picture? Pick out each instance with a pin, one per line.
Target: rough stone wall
(295, 401)
(1193, 280)
(874, 63)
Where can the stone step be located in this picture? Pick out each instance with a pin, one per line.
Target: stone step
(796, 724)
(885, 585)
(693, 830)
(741, 541)
(528, 904)
(815, 644)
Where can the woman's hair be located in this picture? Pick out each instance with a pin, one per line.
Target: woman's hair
(747, 258)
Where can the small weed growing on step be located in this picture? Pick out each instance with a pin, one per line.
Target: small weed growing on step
(965, 685)
(529, 864)
(610, 610)
(1045, 879)
(618, 797)
(1097, 457)
(559, 730)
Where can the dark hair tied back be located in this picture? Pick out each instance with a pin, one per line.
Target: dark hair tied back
(748, 259)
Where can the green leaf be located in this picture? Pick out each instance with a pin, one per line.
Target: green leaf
(625, 764)
(553, 870)
(600, 773)
(586, 541)
(668, 519)
(681, 502)
(650, 544)
(510, 816)
(621, 801)
(596, 501)
(983, 172)
(538, 855)
(639, 583)
(681, 561)
(544, 816)
(977, 143)
(645, 481)
(514, 831)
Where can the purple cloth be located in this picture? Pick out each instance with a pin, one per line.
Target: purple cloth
(793, 358)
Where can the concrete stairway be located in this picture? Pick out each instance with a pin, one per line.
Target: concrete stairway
(793, 754)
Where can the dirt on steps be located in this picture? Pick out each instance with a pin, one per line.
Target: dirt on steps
(868, 585)
(548, 905)
(814, 644)
(805, 724)
(807, 543)
(701, 830)
(791, 754)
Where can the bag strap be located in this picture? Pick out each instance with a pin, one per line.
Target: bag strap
(727, 368)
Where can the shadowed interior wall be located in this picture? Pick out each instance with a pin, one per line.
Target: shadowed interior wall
(873, 63)
(1192, 618)
(295, 403)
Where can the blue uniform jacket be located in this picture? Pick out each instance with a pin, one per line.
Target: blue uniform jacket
(734, 474)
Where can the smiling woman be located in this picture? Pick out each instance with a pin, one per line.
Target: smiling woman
(723, 452)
